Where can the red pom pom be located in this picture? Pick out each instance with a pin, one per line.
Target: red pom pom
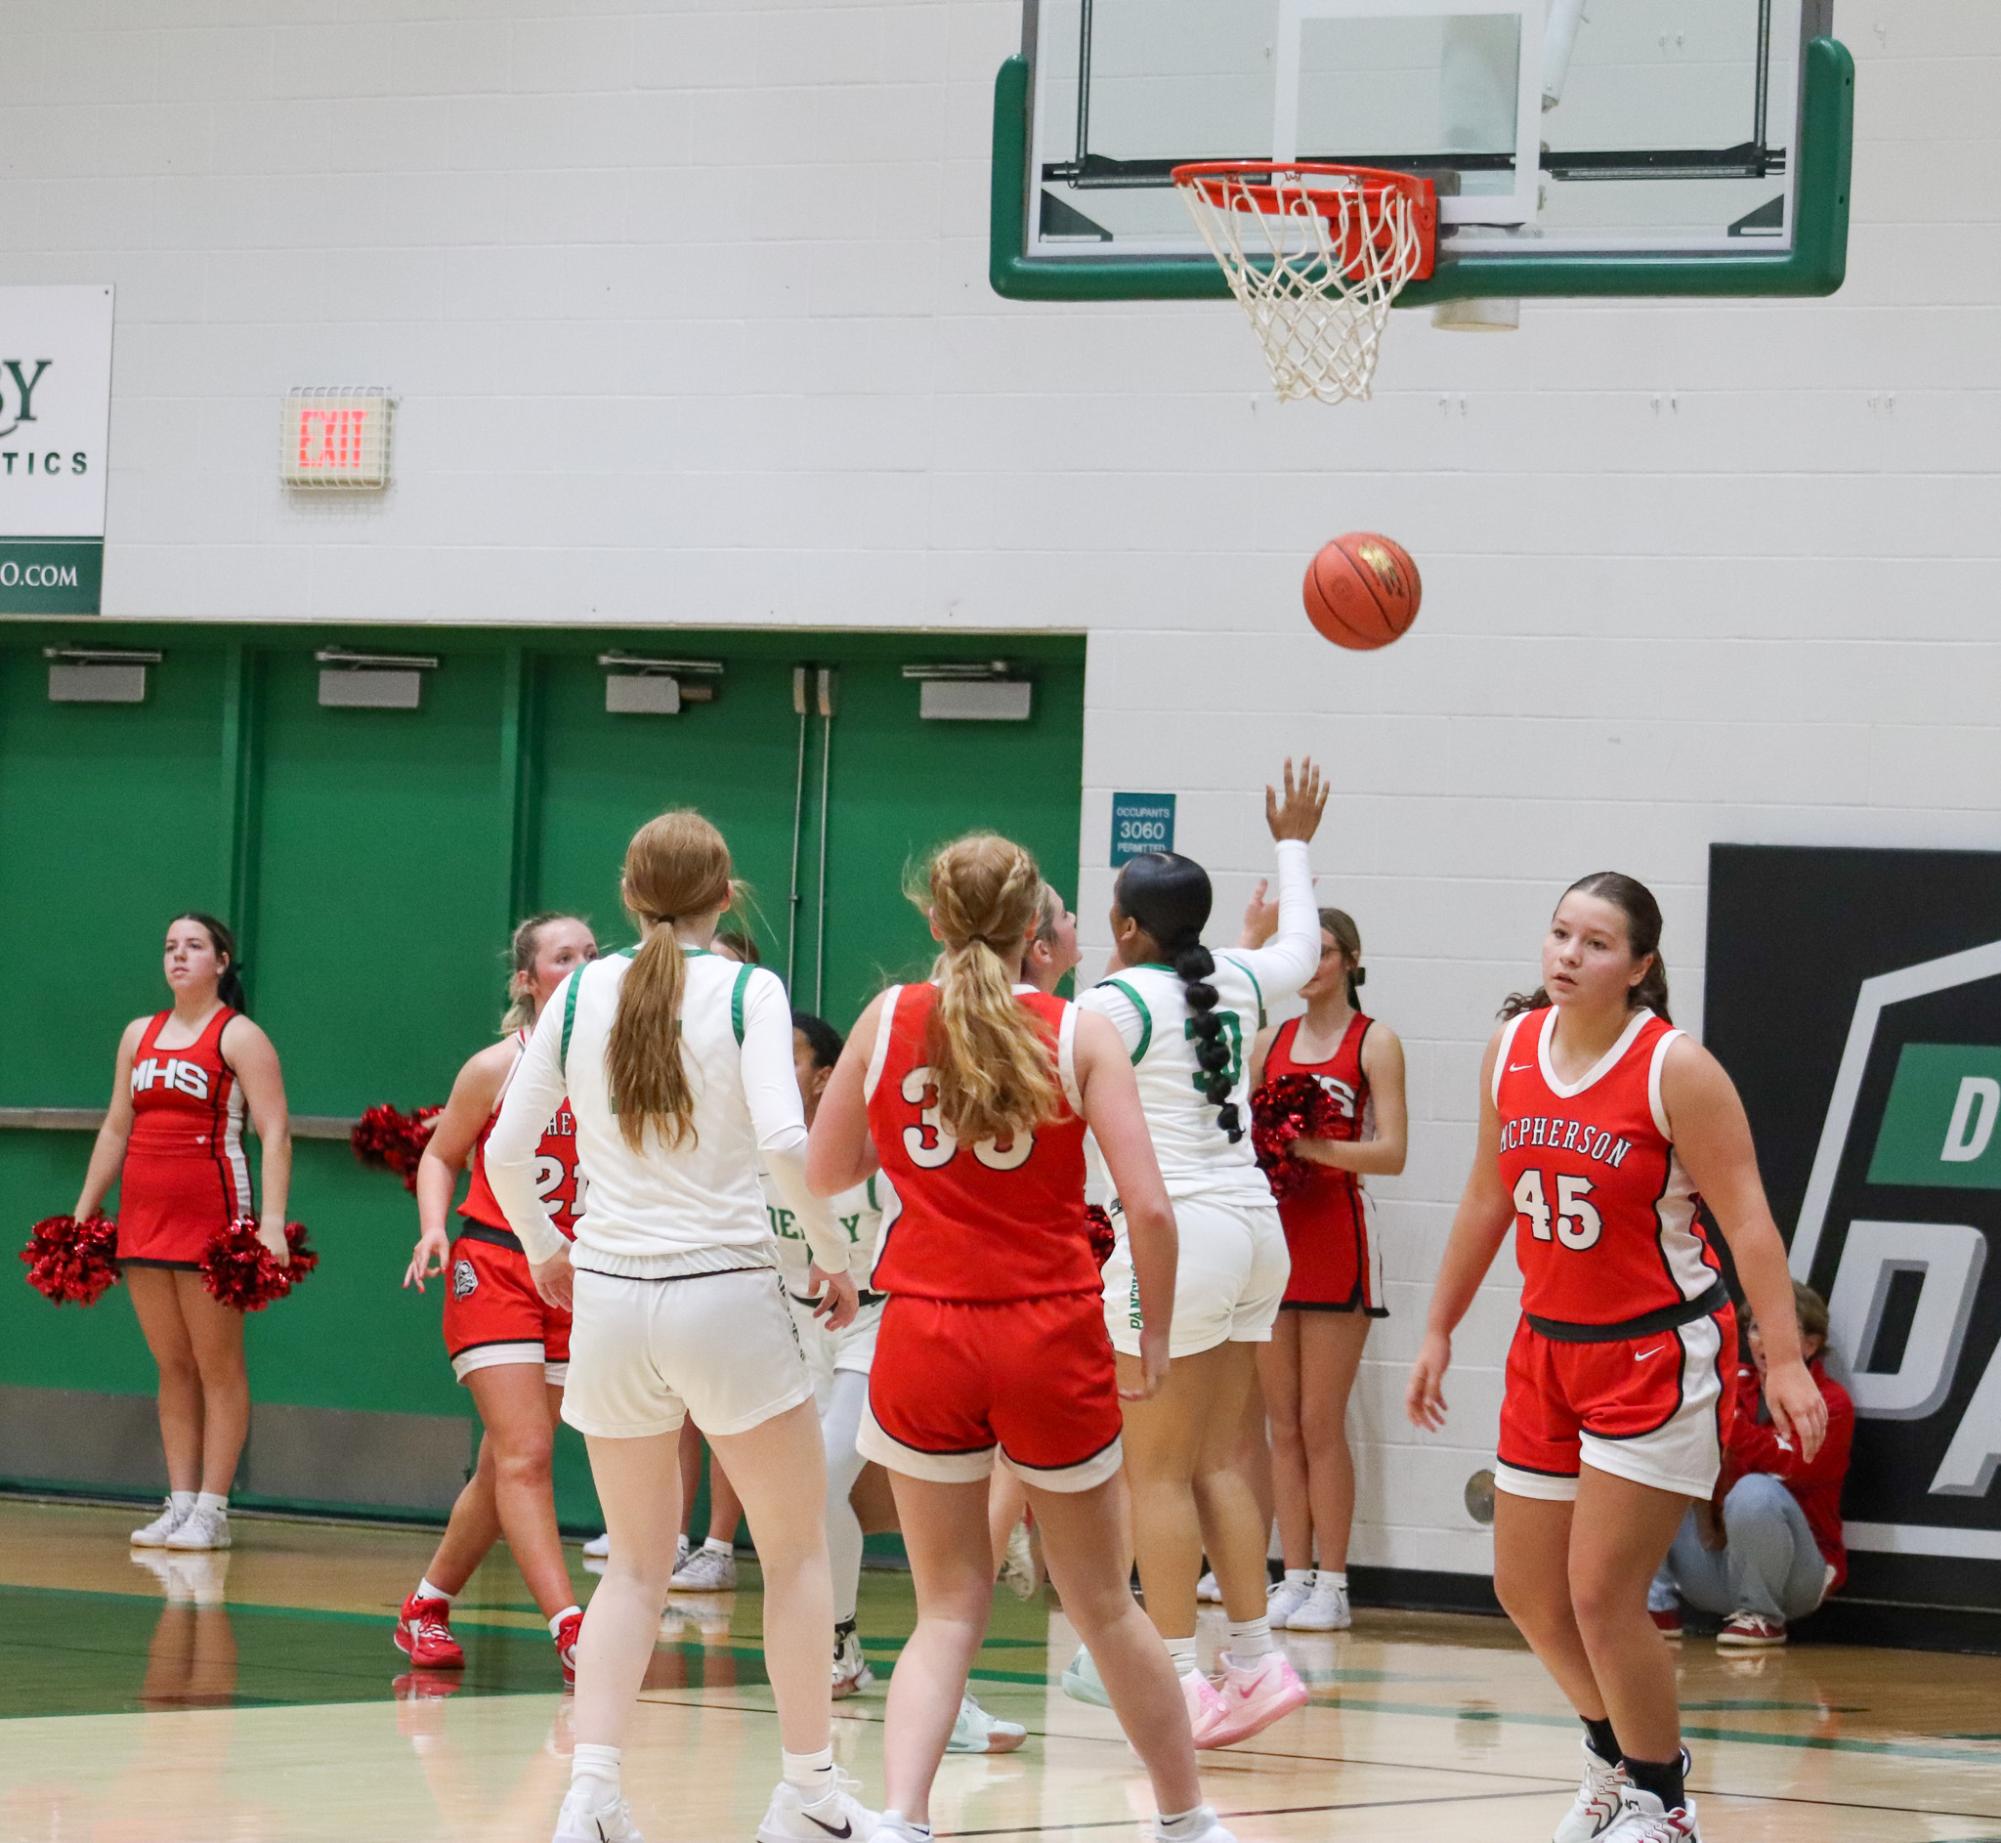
(1098, 1225)
(71, 1262)
(239, 1270)
(387, 1139)
(1286, 1108)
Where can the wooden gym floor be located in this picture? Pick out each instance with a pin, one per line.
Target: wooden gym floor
(255, 1697)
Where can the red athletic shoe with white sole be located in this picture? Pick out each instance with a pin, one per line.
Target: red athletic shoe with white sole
(567, 1635)
(1751, 1632)
(1667, 1621)
(424, 1635)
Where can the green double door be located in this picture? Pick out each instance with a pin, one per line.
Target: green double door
(374, 861)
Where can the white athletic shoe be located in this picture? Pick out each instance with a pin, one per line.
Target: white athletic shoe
(978, 1732)
(1644, 1819)
(839, 1814)
(154, 1534)
(1208, 1590)
(706, 1570)
(1325, 1609)
(200, 1529)
(1081, 1682)
(1017, 1569)
(1211, 1832)
(600, 1546)
(578, 1822)
(1599, 1801)
(1283, 1598)
(851, 1672)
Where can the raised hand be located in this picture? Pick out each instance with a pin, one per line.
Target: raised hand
(1296, 814)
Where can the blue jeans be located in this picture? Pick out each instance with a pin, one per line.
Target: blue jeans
(1769, 1563)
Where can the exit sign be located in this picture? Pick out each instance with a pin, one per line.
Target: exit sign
(336, 437)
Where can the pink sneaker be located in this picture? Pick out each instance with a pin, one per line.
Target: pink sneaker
(1205, 1707)
(1253, 1696)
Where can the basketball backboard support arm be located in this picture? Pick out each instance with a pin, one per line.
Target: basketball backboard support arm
(1813, 261)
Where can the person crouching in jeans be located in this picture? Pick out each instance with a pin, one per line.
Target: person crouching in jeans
(1774, 1552)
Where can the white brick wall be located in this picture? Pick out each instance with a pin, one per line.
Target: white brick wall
(689, 316)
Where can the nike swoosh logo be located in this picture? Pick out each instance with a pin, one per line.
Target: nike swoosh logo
(1640, 1356)
(846, 1829)
(1520, 1068)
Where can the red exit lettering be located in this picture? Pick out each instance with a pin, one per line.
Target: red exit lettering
(330, 438)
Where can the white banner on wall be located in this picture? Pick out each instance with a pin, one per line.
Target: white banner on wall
(55, 421)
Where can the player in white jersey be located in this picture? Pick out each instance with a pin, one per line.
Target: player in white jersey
(1189, 1019)
(678, 1304)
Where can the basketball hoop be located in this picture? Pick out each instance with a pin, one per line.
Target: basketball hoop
(1317, 256)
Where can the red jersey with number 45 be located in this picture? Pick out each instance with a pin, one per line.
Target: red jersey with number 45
(557, 1181)
(1606, 1228)
(986, 1222)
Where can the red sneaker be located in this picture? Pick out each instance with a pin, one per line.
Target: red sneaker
(1667, 1624)
(1751, 1632)
(424, 1635)
(567, 1635)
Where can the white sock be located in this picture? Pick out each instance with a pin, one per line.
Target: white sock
(717, 1545)
(1182, 1824)
(810, 1774)
(1299, 1577)
(217, 1501)
(428, 1589)
(556, 1629)
(1250, 1640)
(182, 1502)
(1337, 1581)
(594, 1771)
(1181, 1652)
(898, 1825)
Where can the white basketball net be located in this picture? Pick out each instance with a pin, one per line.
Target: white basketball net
(1317, 261)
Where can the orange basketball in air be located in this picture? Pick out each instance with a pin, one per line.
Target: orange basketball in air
(1362, 590)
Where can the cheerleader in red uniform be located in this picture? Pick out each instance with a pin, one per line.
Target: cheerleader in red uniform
(508, 1346)
(172, 1141)
(1336, 1288)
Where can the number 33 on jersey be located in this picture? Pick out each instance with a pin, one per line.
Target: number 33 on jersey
(1606, 1226)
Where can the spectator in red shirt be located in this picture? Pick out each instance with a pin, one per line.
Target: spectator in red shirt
(1768, 1547)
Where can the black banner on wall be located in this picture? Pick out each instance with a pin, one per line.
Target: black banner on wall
(1855, 997)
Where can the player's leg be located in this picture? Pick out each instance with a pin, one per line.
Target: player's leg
(513, 1401)
(839, 1424)
(945, 1536)
(423, 1623)
(1163, 1439)
(1330, 1354)
(710, 1566)
(1532, 1582)
(1083, 1543)
(216, 1333)
(157, 1307)
(1278, 1376)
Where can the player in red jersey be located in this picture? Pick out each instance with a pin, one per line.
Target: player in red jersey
(1599, 1125)
(973, 1093)
(172, 1141)
(1336, 1286)
(508, 1346)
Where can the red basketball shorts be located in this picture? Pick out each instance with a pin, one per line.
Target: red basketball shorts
(1028, 1381)
(494, 1315)
(1653, 1409)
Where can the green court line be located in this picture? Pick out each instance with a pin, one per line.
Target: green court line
(1751, 1737)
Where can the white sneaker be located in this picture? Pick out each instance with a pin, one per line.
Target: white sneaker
(599, 1547)
(580, 1822)
(1325, 1609)
(1283, 1598)
(1208, 1591)
(1644, 1819)
(1017, 1569)
(1212, 1830)
(1081, 1682)
(1599, 1801)
(200, 1529)
(851, 1672)
(154, 1535)
(978, 1732)
(839, 1814)
(706, 1570)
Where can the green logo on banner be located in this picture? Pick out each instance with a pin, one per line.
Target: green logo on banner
(1942, 1126)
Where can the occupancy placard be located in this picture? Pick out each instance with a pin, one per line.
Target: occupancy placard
(55, 421)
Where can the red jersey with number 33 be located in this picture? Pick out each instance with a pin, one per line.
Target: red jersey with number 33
(1606, 1227)
(986, 1222)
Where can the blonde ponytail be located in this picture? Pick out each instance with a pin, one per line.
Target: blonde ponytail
(676, 868)
(990, 1056)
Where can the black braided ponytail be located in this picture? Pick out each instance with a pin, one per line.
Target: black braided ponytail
(1169, 896)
